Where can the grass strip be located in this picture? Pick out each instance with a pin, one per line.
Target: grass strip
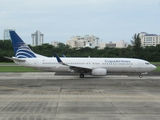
(157, 69)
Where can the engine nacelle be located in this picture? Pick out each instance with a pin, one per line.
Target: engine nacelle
(99, 72)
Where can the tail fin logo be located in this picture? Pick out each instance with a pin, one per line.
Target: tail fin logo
(21, 50)
(24, 52)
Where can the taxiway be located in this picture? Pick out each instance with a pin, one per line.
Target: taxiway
(46, 96)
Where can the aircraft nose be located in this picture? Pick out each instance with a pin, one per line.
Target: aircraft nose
(153, 67)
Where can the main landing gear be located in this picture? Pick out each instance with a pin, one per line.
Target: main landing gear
(81, 75)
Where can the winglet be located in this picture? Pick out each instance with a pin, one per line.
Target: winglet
(63, 56)
(58, 59)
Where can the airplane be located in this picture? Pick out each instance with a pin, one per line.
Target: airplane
(24, 56)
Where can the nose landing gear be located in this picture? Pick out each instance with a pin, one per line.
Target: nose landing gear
(141, 74)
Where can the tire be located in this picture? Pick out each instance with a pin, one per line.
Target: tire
(140, 76)
(81, 75)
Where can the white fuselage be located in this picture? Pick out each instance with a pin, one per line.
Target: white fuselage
(110, 64)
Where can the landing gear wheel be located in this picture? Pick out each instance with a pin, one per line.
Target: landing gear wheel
(140, 76)
(81, 75)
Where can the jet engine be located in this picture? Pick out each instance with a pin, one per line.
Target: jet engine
(99, 72)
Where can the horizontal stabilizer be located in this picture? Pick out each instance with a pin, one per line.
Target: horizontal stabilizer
(15, 59)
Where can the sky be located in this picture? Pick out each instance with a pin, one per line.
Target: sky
(58, 20)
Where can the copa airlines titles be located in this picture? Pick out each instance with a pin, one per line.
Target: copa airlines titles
(118, 61)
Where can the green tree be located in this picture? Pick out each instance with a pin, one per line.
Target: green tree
(136, 42)
(6, 49)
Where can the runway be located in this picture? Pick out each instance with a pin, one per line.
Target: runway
(46, 96)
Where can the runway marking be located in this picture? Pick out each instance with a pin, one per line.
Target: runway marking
(26, 89)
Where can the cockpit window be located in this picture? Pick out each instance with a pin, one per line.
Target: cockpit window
(147, 63)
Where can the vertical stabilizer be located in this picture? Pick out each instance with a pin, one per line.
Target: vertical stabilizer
(21, 50)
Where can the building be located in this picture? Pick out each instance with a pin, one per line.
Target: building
(81, 42)
(120, 44)
(37, 38)
(6, 35)
(55, 43)
(149, 39)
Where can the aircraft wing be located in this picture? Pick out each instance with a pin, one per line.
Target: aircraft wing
(80, 68)
(75, 68)
(15, 59)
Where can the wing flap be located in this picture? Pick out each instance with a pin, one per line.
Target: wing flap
(80, 68)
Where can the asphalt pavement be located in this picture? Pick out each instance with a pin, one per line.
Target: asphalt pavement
(46, 96)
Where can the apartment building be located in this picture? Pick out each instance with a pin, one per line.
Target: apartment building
(37, 38)
(119, 44)
(6, 35)
(83, 41)
(149, 39)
